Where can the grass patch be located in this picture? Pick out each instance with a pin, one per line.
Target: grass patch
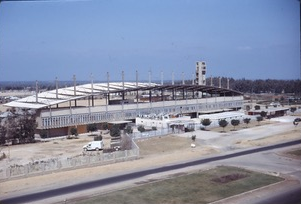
(201, 187)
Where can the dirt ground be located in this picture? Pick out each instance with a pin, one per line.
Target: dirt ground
(241, 126)
(289, 135)
(171, 143)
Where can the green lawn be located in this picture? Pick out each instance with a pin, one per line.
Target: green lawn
(201, 187)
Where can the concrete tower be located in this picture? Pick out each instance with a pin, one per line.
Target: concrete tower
(200, 78)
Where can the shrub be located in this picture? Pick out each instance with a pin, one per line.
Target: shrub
(141, 128)
(128, 130)
(206, 122)
(91, 127)
(43, 134)
(115, 131)
(73, 131)
(104, 126)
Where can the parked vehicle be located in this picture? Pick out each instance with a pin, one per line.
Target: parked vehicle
(95, 145)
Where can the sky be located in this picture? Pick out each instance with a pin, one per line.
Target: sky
(251, 39)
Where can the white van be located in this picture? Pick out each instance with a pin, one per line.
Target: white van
(95, 145)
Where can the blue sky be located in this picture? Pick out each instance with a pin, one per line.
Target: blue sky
(252, 39)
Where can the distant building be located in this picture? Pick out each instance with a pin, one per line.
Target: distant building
(200, 73)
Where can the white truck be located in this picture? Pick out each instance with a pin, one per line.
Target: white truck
(95, 145)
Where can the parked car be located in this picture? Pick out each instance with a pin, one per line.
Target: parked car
(95, 145)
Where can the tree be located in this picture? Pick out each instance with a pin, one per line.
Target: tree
(259, 119)
(263, 114)
(2, 134)
(247, 121)
(235, 122)
(91, 127)
(20, 128)
(206, 122)
(115, 131)
(141, 128)
(26, 126)
(11, 130)
(257, 107)
(223, 123)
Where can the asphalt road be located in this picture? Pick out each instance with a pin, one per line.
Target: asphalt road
(129, 176)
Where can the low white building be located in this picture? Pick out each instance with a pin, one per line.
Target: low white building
(163, 121)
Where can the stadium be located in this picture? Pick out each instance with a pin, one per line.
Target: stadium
(58, 110)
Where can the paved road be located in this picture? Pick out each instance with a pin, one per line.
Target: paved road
(134, 175)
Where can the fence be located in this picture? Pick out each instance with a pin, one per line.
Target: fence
(54, 164)
(153, 133)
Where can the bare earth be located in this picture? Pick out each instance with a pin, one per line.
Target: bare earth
(154, 152)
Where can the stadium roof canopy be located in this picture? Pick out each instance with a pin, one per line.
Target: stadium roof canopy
(61, 95)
